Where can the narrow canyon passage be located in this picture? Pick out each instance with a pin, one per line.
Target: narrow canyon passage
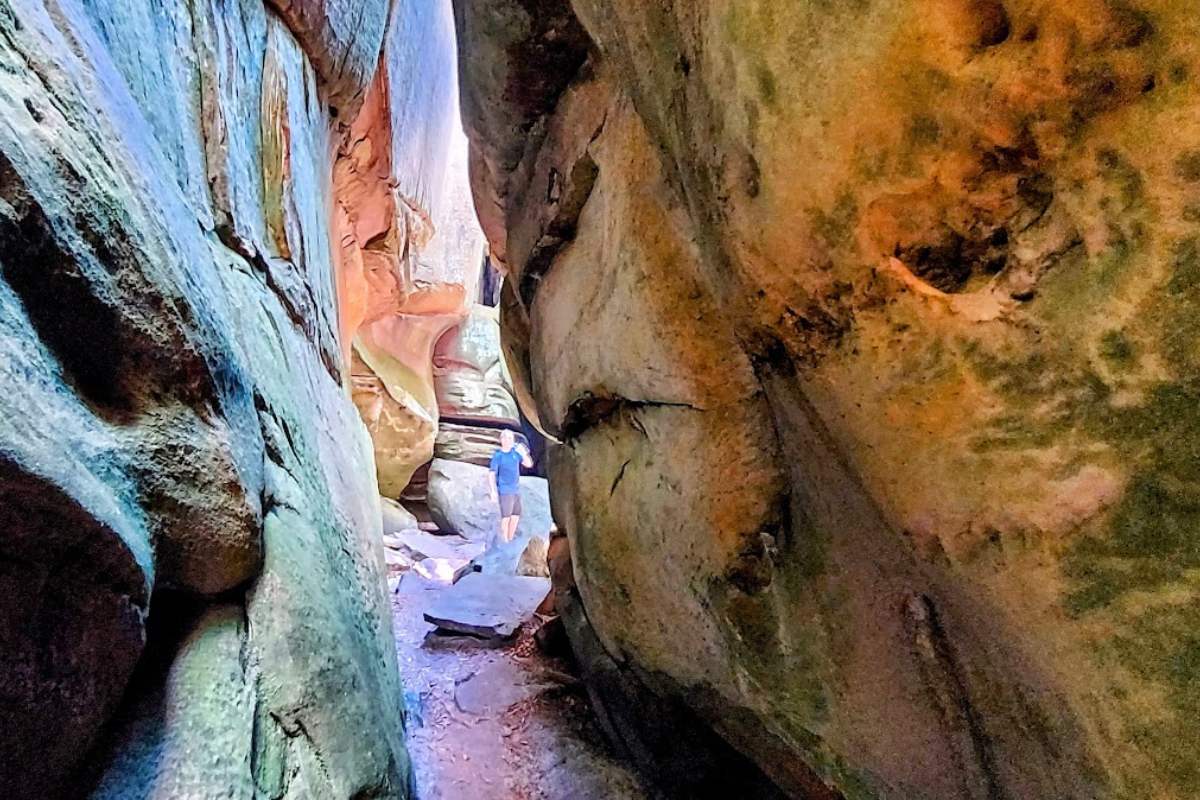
(849, 350)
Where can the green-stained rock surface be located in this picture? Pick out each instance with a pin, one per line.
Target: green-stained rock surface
(192, 597)
(868, 329)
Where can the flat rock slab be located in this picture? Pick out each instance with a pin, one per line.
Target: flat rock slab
(496, 687)
(489, 606)
(443, 570)
(426, 545)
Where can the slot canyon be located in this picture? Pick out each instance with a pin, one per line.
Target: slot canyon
(854, 345)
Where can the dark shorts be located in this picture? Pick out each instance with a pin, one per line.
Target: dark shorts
(510, 505)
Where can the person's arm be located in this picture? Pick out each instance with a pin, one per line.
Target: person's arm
(492, 489)
(526, 459)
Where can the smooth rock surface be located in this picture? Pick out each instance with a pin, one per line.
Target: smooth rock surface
(459, 502)
(487, 606)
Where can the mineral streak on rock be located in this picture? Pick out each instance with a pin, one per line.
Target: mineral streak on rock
(869, 328)
(410, 248)
(192, 596)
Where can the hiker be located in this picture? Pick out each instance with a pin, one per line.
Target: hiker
(504, 482)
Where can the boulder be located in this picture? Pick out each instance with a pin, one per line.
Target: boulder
(871, 360)
(396, 518)
(201, 685)
(442, 570)
(421, 545)
(533, 559)
(518, 557)
(487, 606)
(459, 502)
(469, 375)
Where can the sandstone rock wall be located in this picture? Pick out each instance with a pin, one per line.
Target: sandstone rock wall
(411, 248)
(191, 592)
(867, 327)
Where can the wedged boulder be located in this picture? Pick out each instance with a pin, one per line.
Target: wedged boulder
(473, 444)
(402, 432)
(459, 502)
(69, 638)
(487, 606)
(469, 375)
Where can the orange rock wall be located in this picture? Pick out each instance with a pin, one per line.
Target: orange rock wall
(867, 328)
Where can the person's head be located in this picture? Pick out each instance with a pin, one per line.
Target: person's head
(506, 440)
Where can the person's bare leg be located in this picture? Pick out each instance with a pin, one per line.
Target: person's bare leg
(512, 526)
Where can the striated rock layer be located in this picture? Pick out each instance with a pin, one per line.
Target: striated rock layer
(192, 596)
(411, 249)
(869, 331)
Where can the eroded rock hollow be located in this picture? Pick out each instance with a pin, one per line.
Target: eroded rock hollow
(868, 330)
(192, 598)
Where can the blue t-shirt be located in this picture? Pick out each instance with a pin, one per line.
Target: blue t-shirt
(507, 467)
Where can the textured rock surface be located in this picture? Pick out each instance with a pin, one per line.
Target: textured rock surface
(411, 249)
(474, 390)
(174, 424)
(459, 502)
(868, 327)
(470, 443)
(342, 39)
(469, 375)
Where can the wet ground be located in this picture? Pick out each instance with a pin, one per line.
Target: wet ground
(490, 722)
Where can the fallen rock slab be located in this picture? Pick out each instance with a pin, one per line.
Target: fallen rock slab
(443, 570)
(395, 558)
(421, 545)
(488, 606)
